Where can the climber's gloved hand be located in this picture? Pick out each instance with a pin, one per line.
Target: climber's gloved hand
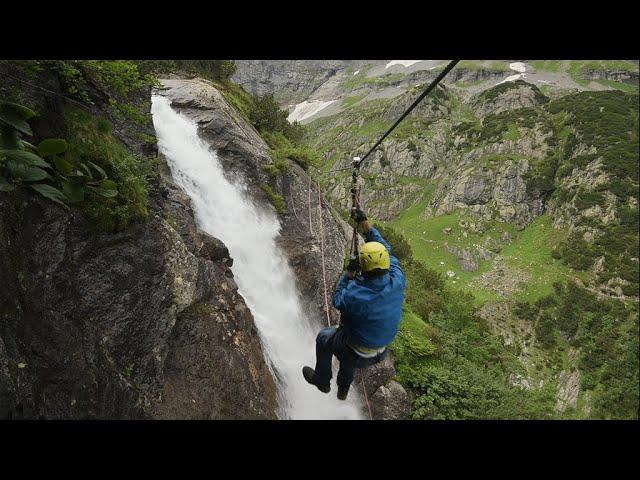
(352, 267)
(358, 215)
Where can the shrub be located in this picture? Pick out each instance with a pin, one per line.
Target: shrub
(276, 200)
(267, 116)
(90, 143)
(283, 148)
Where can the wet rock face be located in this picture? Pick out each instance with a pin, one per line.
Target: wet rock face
(625, 76)
(99, 319)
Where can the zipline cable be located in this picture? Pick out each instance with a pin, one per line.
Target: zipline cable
(355, 189)
(413, 105)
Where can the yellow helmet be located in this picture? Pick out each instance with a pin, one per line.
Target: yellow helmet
(374, 255)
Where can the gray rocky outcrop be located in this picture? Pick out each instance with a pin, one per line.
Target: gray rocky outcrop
(487, 192)
(289, 81)
(518, 94)
(624, 76)
(388, 399)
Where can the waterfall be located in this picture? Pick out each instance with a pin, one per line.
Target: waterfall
(261, 270)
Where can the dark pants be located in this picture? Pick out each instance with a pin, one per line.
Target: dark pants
(331, 341)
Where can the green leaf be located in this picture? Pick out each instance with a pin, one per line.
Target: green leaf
(26, 172)
(52, 146)
(73, 191)
(5, 186)
(62, 164)
(26, 157)
(8, 136)
(108, 185)
(108, 191)
(14, 118)
(98, 169)
(27, 146)
(51, 193)
(24, 112)
(87, 171)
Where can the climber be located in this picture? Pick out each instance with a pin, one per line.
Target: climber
(371, 309)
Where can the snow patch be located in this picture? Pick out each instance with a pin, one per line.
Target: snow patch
(404, 63)
(512, 78)
(307, 109)
(518, 67)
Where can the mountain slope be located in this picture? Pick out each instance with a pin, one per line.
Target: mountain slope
(516, 182)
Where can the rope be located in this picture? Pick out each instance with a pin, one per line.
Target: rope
(413, 105)
(324, 279)
(324, 273)
(310, 226)
(364, 389)
(293, 205)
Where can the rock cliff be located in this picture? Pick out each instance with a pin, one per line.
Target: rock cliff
(144, 323)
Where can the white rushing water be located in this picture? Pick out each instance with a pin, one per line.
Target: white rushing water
(264, 277)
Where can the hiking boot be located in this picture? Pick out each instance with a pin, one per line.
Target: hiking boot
(311, 377)
(343, 392)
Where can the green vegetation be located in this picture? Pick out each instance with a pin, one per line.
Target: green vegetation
(607, 122)
(91, 168)
(529, 251)
(578, 68)
(46, 168)
(498, 125)
(455, 364)
(554, 66)
(493, 93)
(348, 101)
(489, 65)
(267, 116)
(91, 142)
(277, 200)
(449, 359)
(120, 80)
(625, 87)
(215, 70)
(606, 334)
(359, 81)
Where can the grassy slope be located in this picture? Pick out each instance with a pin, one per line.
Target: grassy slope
(529, 251)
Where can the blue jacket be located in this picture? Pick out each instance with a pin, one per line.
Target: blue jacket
(372, 308)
